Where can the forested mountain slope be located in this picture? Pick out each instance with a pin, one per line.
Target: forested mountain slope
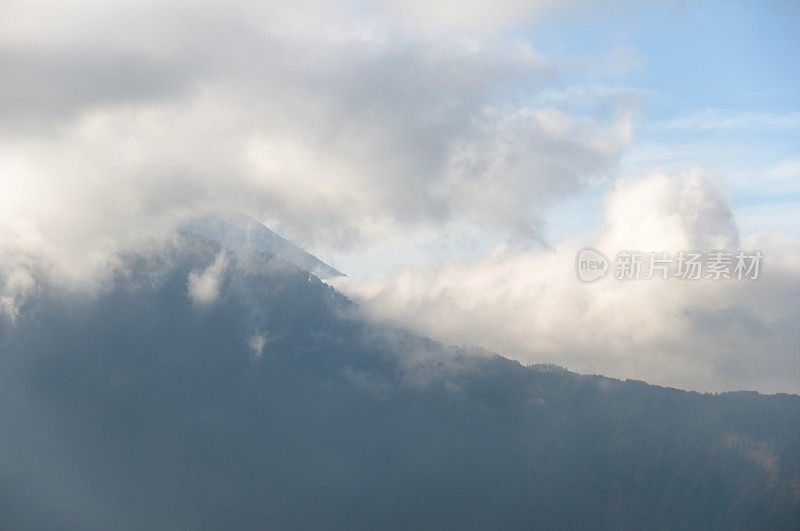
(272, 406)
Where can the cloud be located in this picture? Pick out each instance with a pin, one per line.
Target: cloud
(780, 218)
(529, 153)
(341, 124)
(204, 286)
(530, 305)
(726, 120)
(662, 212)
(480, 16)
(16, 284)
(256, 344)
(617, 62)
(349, 125)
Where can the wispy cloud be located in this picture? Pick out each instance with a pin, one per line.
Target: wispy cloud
(718, 119)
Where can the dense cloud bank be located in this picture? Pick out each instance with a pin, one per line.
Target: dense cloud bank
(343, 125)
(704, 335)
(346, 126)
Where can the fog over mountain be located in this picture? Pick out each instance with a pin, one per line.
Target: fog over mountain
(266, 403)
(312, 264)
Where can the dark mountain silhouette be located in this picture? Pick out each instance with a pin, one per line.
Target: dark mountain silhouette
(275, 408)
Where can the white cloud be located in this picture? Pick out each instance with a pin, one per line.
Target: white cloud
(663, 212)
(530, 305)
(14, 286)
(203, 287)
(257, 343)
(339, 123)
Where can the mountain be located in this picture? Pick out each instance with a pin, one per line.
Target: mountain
(237, 231)
(275, 407)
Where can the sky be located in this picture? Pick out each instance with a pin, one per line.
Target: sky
(450, 158)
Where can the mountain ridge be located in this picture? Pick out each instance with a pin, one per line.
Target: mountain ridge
(137, 409)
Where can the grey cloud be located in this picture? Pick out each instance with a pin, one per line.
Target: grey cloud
(43, 89)
(341, 125)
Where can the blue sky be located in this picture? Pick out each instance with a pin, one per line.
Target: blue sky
(733, 55)
(718, 85)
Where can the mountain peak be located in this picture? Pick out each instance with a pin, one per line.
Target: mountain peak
(237, 231)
